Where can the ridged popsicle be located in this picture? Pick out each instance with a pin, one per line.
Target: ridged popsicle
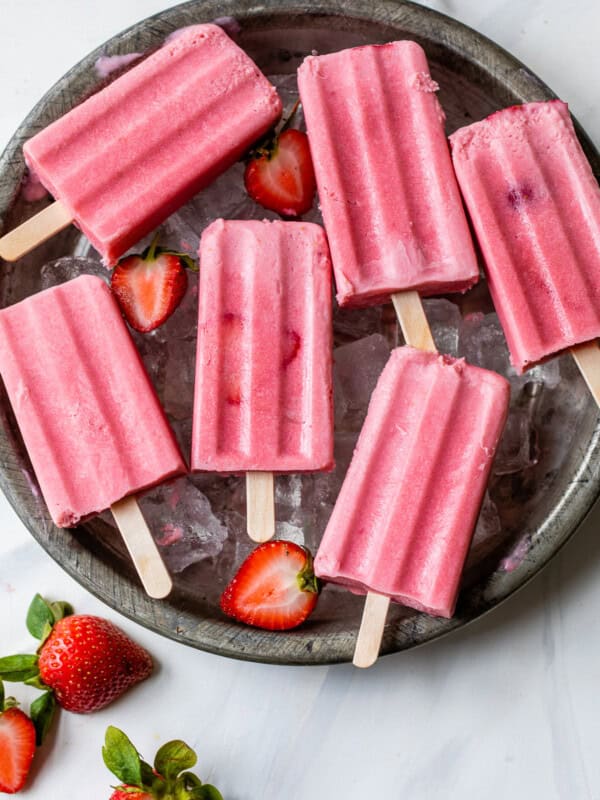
(263, 396)
(535, 206)
(390, 202)
(130, 155)
(404, 518)
(88, 413)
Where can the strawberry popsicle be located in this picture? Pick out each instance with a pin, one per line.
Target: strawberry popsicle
(535, 206)
(263, 396)
(404, 518)
(90, 419)
(390, 202)
(125, 159)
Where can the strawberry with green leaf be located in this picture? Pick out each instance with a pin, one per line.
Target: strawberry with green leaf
(83, 662)
(17, 744)
(279, 173)
(275, 588)
(168, 779)
(150, 286)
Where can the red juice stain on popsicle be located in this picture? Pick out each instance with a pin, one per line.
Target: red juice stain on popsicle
(233, 331)
(291, 347)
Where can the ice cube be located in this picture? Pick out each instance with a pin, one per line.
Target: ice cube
(488, 532)
(65, 269)
(183, 523)
(356, 369)
(518, 448)
(481, 341)
(444, 320)
(350, 324)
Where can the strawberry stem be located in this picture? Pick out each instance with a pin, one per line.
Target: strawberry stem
(287, 124)
(150, 253)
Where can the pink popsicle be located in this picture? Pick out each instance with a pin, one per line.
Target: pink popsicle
(263, 396)
(390, 202)
(92, 424)
(404, 518)
(130, 155)
(535, 206)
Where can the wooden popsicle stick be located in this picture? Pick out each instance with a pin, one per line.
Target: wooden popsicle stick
(370, 634)
(412, 319)
(417, 333)
(587, 357)
(142, 547)
(34, 231)
(260, 506)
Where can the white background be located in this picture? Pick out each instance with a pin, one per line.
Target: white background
(507, 708)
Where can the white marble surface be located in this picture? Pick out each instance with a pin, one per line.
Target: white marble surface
(505, 708)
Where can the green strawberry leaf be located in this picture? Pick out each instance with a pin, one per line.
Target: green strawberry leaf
(188, 262)
(61, 609)
(148, 776)
(189, 787)
(172, 758)
(42, 713)
(19, 668)
(306, 578)
(185, 258)
(1, 696)
(206, 792)
(185, 786)
(40, 617)
(121, 757)
(36, 682)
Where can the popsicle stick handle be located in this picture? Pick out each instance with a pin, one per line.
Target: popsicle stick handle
(587, 357)
(142, 548)
(34, 231)
(370, 634)
(413, 321)
(260, 506)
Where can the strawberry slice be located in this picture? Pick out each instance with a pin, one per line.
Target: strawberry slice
(150, 286)
(17, 746)
(280, 175)
(275, 588)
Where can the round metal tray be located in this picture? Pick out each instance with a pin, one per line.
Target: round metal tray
(540, 509)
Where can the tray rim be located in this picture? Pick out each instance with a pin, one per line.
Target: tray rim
(222, 637)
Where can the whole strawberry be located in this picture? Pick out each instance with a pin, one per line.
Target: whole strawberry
(17, 745)
(89, 662)
(167, 779)
(86, 661)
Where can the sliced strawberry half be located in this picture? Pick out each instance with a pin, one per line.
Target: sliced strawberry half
(280, 174)
(150, 286)
(17, 746)
(275, 588)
